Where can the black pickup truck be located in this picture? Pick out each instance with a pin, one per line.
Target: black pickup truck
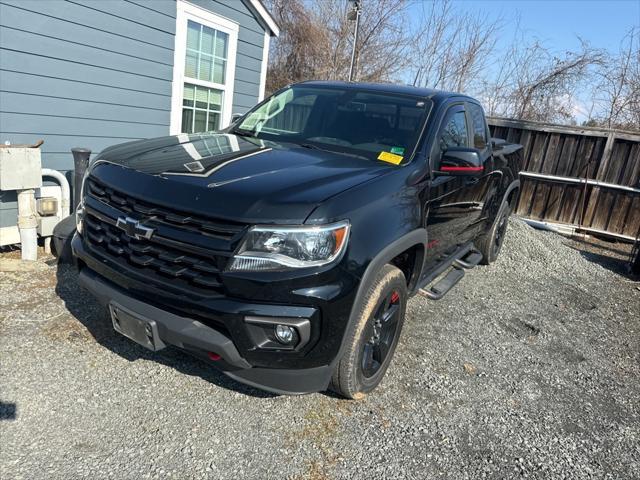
(284, 248)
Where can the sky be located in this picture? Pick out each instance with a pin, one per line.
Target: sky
(558, 23)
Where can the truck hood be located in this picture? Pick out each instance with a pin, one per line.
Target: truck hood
(236, 178)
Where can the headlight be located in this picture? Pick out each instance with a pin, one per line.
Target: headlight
(283, 248)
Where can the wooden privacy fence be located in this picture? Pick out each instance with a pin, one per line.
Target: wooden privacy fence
(580, 178)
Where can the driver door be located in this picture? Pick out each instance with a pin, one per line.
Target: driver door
(452, 211)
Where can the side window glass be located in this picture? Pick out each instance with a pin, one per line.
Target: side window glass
(479, 127)
(454, 133)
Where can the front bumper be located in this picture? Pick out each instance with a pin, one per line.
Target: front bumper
(197, 338)
(218, 325)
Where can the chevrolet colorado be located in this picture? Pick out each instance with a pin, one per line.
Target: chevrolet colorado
(284, 248)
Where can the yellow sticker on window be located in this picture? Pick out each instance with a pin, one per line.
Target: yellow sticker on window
(390, 157)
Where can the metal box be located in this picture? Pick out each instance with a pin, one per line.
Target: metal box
(46, 225)
(20, 168)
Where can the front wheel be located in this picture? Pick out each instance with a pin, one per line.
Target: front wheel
(373, 337)
(491, 242)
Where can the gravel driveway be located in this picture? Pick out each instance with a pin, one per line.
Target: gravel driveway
(529, 367)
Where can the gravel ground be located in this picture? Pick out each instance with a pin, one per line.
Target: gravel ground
(528, 368)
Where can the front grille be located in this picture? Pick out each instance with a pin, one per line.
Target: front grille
(160, 259)
(131, 205)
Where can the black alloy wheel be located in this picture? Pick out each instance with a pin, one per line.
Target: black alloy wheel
(382, 329)
(372, 335)
(501, 230)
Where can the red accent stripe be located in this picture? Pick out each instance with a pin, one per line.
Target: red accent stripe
(462, 169)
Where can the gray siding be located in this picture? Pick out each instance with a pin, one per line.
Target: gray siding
(84, 73)
(97, 73)
(8, 209)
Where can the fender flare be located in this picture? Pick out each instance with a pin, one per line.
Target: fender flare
(411, 239)
(512, 186)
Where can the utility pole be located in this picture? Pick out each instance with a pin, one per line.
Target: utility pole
(354, 14)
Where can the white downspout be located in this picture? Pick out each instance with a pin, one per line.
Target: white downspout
(27, 224)
(66, 191)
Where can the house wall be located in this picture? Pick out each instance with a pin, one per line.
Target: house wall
(93, 74)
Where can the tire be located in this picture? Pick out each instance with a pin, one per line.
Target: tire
(364, 362)
(490, 243)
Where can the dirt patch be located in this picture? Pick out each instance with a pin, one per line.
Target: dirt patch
(66, 328)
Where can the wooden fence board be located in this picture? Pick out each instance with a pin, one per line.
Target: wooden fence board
(597, 154)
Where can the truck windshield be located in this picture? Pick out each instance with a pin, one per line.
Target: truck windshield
(376, 125)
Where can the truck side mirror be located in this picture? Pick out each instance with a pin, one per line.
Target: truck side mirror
(236, 116)
(498, 143)
(460, 161)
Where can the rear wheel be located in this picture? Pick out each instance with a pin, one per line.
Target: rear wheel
(490, 243)
(373, 338)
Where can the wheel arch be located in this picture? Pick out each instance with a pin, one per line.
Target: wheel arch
(414, 239)
(511, 193)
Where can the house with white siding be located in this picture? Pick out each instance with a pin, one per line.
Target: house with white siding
(90, 73)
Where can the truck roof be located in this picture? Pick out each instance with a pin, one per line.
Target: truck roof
(435, 95)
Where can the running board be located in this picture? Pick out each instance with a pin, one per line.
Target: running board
(470, 260)
(442, 286)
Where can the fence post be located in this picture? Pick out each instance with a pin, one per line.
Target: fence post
(589, 206)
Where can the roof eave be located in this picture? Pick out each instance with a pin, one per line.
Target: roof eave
(263, 16)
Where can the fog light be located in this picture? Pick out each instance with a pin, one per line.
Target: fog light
(284, 334)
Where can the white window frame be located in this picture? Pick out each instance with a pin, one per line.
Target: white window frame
(185, 12)
(264, 66)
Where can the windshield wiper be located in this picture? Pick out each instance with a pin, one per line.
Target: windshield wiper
(311, 146)
(244, 133)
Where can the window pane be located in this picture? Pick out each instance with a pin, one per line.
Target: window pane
(204, 45)
(191, 64)
(215, 100)
(214, 121)
(187, 120)
(187, 96)
(218, 71)
(455, 133)
(201, 97)
(206, 65)
(479, 128)
(202, 107)
(201, 121)
(221, 44)
(208, 35)
(193, 35)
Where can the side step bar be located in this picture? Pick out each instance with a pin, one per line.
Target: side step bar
(439, 289)
(442, 286)
(470, 260)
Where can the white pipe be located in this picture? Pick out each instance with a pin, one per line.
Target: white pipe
(47, 245)
(64, 185)
(27, 224)
(565, 229)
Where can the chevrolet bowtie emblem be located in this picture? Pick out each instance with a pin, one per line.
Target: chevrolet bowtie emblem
(134, 228)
